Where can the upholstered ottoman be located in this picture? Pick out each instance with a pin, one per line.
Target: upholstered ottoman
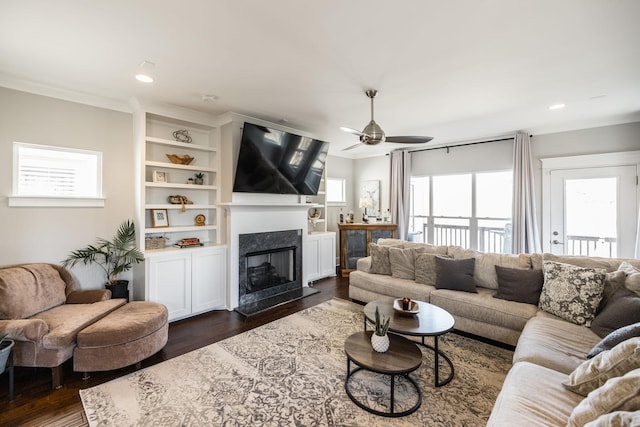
(124, 337)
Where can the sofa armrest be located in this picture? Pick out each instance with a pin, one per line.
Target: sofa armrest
(88, 296)
(364, 264)
(24, 329)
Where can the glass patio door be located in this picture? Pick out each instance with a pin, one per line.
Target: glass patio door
(593, 211)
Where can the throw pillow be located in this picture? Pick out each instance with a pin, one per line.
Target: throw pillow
(617, 418)
(402, 263)
(570, 292)
(622, 309)
(426, 268)
(615, 338)
(617, 394)
(519, 285)
(593, 373)
(632, 281)
(380, 263)
(455, 274)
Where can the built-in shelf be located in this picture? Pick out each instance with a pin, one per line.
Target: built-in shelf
(177, 185)
(168, 165)
(179, 207)
(180, 228)
(186, 145)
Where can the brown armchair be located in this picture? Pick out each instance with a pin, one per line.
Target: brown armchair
(41, 310)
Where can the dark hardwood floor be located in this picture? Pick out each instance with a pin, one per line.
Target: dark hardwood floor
(36, 403)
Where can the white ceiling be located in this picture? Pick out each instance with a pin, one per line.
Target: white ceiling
(456, 70)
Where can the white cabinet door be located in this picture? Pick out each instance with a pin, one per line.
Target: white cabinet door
(312, 257)
(208, 279)
(328, 255)
(169, 279)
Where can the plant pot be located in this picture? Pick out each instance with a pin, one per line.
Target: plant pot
(119, 289)
(380, 343)
(5, 350)
(199, 181)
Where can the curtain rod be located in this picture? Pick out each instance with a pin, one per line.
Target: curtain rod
(447, 147)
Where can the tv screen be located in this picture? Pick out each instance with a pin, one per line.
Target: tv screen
(278, 162)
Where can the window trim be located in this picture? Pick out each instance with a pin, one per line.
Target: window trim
(17, 200)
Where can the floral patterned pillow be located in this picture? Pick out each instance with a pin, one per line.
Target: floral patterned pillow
(570, 292)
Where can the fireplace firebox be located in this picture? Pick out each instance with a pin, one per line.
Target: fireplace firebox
(269, 268)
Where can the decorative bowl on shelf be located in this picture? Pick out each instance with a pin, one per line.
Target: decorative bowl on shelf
(413, 308)
(314, 213)
(180, 160)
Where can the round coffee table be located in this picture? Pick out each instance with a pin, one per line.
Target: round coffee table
(402, 358)
(431, 321)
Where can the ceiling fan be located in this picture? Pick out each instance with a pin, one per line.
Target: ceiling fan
(373, 134)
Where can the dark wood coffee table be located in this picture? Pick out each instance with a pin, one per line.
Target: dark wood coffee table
(431, 321)
(402, 358)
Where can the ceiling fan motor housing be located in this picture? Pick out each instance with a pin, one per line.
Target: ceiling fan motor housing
(372, 134)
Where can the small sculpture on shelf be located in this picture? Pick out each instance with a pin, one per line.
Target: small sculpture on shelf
(182, 135)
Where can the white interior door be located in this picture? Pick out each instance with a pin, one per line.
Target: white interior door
(593, 211)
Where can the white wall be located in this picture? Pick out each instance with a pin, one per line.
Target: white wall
(32, 234)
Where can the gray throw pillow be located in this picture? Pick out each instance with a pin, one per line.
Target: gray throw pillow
(402, 263)
(380, 263)
(519, 285)
(426, 268)
(570, 292)
(615, 338)
(622, 309)
(455, 274)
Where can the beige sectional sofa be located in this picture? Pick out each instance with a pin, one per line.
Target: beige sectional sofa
(549, 346)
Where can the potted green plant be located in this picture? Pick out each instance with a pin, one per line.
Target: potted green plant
(6, 345)
(379, 338)
(199, 178)
(113, 257)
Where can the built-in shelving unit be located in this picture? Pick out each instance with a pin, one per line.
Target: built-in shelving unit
(318, 203)
(187, 280)
(163, 179)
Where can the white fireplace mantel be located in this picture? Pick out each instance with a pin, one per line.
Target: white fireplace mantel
(259, 215)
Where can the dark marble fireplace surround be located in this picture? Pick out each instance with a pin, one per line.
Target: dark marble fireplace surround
(251, 303)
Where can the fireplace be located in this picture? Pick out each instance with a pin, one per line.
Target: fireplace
(269, 270)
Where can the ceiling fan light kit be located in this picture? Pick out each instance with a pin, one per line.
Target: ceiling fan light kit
(373, 134)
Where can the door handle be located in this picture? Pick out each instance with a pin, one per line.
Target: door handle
(556, 242)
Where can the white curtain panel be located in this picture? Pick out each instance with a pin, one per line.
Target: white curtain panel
(525, 238)
(638, 236)
(400, 190)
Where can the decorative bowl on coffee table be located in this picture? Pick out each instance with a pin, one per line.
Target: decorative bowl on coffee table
(414, 307)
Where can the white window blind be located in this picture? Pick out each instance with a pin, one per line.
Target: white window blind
(56, 176)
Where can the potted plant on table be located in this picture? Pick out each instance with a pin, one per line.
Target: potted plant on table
(6, 345)
(379, 338)
(113, 257)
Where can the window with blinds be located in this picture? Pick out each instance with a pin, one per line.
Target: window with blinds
(56, 172)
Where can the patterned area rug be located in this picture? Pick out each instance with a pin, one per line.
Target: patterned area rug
(291, 372)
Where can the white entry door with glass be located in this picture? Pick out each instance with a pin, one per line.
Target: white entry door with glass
(593, 211)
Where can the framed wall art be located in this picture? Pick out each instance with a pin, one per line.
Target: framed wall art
(159, 218)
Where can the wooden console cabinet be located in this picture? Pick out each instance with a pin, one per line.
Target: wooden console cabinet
(355, 239)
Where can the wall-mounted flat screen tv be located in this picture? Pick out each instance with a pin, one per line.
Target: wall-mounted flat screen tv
(278, 162)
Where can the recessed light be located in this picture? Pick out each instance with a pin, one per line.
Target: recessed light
(556, 106)
(144, 78)
(146, 72)
(207, 97)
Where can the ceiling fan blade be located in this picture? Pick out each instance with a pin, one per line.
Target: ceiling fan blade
(350, 130)
(409, 139)
(352, 146)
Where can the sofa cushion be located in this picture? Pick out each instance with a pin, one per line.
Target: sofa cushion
(580, 261)
(402, 263)
(482, 307)
(29, 289)
(617, 394)
(389, 286)
(615, 338)
(485, 270)
(380, 263)
(593, 373)
(455, 274)
(65, 321)
(622, 309)
(554, 343)
(570, 292)
(519, 285)
(533, 396)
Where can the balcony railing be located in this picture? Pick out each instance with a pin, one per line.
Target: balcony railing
(591, 246)
(490, 239)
